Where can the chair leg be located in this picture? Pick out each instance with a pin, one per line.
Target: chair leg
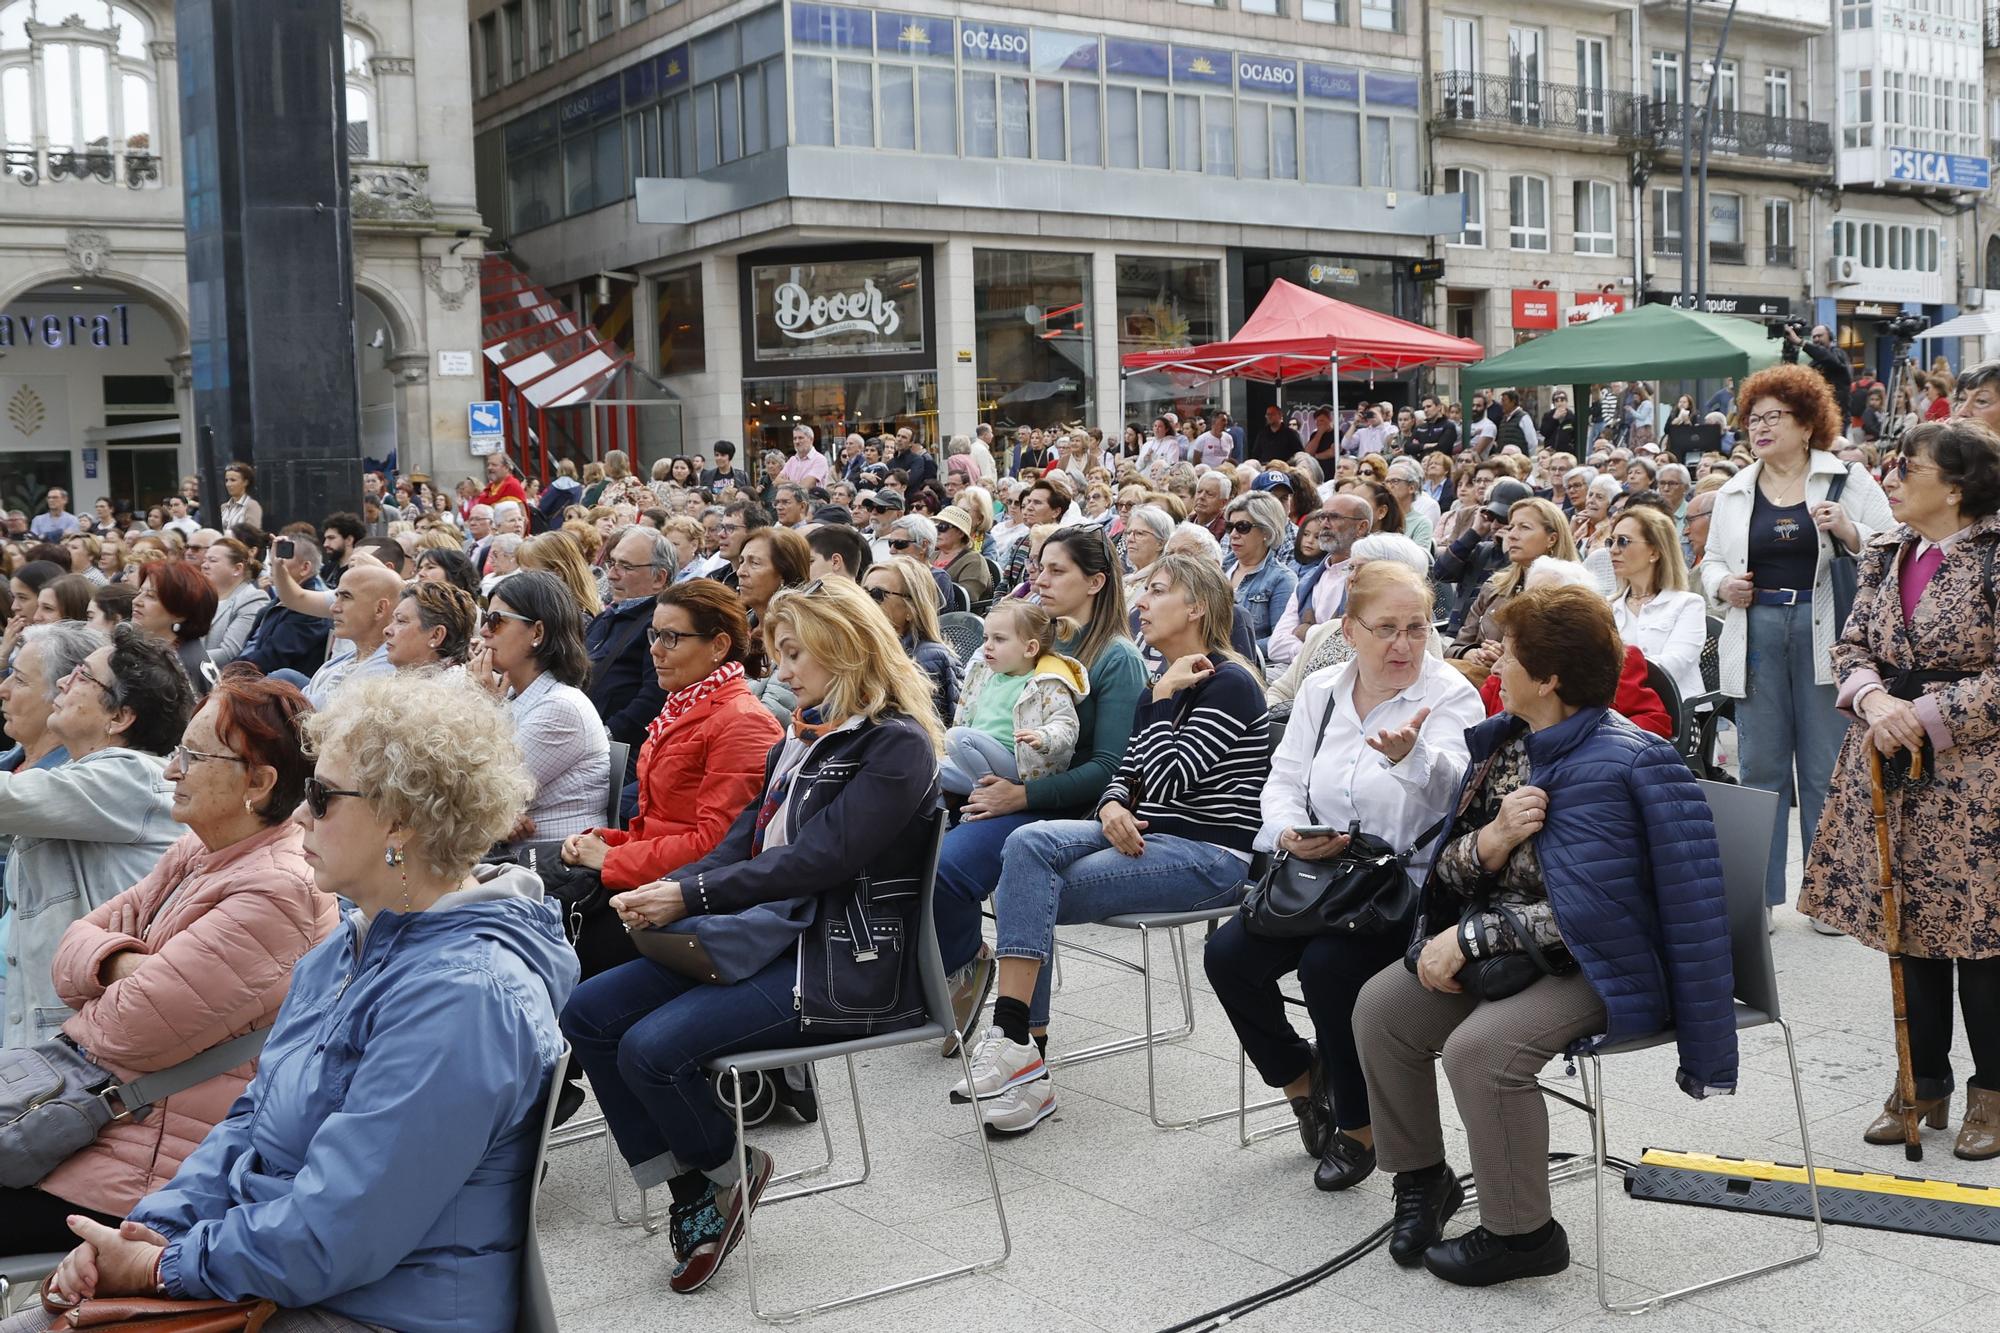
(1150, 1037)
(647, 1218)
(825, 1164)
(861, 1133)
(1595, 1089)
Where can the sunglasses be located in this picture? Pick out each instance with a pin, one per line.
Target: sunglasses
(900, 544)
(319, 796)
(1242, 529)
(882, 595)
(490, 622)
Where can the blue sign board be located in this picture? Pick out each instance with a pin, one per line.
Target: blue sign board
(1256, 74)
(1196, 64)
(833, 25)
(597, 102)
(535, 130)
(1392, 89)
(1948, 169)
(672, 68)
(482, 421)
(1001, 42)
(1137, 60)
(909, 35)
(1333, 83)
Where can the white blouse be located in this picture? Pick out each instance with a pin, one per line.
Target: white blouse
(1670, 630)
(1353, 781)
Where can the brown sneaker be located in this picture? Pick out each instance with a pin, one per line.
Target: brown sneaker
(1979, 1136)
(706, 1257)
(969, 988)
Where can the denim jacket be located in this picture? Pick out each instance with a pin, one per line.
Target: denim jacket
(1262, 597)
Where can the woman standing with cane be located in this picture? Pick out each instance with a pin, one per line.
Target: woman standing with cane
(1917, 666)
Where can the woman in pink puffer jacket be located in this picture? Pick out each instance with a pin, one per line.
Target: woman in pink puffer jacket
(197, 952)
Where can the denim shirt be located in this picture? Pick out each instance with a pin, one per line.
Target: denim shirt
(1262, 597)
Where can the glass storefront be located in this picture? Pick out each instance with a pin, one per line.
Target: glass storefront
(1371, 281)
(1033, 344)
(1166, 303)
(834, 405)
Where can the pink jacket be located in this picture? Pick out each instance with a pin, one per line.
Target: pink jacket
(222, 954)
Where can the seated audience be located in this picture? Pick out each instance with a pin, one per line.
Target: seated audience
(28, 697)
(768, 561)
(232, 571)
(1535, 528)
(110, 606)
(1654, 607)
(624, 687)
(1263, 582)
(66, 598)
(285, 639)
(838, 550)
(431, 627)
(902, 587)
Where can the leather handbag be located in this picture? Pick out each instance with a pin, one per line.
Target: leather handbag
(157, 1314)
(1366, 890)
(1507, 974)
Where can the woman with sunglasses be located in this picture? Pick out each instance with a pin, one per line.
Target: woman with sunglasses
(198, 951)
(1655, 610)
(92, 827)
(849, 793)
(903, 588)
(1263, 582)
(1769, 562)
(530, 653)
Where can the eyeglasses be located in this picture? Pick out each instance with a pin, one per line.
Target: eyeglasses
(490, 622)
(671, 637)
(1622, 542)
(627, 567)
(1389, 633)
(185, 757)
(82, 673)
(1770, 418)
(1242, 529)
(882, 595)
(900, 543)
(319, 796)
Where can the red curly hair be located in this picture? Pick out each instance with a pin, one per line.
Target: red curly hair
(1804, 394)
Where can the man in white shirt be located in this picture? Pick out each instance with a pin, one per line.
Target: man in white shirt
(1366, 434)
(1343, 521)
(367, 594)
(1215, 446)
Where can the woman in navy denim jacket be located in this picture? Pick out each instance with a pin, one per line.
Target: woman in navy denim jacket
(1256, 528)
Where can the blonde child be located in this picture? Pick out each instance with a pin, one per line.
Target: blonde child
(1017, 713)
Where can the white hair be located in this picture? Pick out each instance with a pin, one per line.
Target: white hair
(1607, 485)
(1156, 521)
(1549, 572)
(504, 505)
(1407, 469)
(1392, 546)
(920, 527)
(1194, 539)
(1215, 476)
(1674, 472)
(1265, 510)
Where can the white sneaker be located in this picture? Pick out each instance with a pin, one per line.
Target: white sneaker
(999, 1064)
(1020, 1108)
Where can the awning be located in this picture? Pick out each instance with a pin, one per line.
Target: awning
(1978, 324)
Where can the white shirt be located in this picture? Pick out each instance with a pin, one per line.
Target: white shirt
(1213, 448)
(1329, 593)
(1351, 780)
(1366, 440)
(1671, 631)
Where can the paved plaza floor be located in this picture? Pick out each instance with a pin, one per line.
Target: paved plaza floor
(1120, 1226)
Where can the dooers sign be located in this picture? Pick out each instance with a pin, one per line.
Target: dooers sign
(802, 315)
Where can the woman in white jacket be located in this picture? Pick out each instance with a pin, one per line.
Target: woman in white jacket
(1653, 608)
(1769, 562)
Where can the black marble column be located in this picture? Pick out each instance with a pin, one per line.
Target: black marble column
(269, 252)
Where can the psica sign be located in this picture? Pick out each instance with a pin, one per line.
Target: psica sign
(1951, 170)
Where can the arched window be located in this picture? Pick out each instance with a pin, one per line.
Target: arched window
(361, 145)
(76, 91)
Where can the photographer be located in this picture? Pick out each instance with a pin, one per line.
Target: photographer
(1478, 553)
(1828, 360)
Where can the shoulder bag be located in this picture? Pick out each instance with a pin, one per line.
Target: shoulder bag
(1844, 570)
(1366, 890)
(156, 1314)
(1507, 974)
(54, 1101)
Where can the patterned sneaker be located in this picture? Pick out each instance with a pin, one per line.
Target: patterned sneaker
(1020, 1108)
(690, 1225)
(997, 1065)
(721, 1225)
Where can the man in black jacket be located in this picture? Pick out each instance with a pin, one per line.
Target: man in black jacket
(1436, 431)
(1828, 360)
(1277, 440)
(1478, 553)
(283, 638)
(624, 687)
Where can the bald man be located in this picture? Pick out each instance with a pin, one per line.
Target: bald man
(362, 604)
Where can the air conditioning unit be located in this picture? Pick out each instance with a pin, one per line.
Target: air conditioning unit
(1842, 271)
(1972, 298)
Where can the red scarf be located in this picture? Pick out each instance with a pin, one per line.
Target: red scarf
(682, 701)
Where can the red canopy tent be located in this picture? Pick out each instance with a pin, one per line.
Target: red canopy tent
(1295, 334)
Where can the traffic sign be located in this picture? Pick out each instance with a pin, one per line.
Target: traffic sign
(483, 419)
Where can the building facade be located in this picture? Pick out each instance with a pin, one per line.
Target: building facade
(937, 215)
(94, 384)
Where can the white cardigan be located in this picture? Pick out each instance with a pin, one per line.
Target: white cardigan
(1671, 631)
(1728, 553)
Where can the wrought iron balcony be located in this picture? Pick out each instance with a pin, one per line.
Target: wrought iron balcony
(1742, 133)
(1499, 101)
(1781, 256)
(1666, 246)
(134, 167)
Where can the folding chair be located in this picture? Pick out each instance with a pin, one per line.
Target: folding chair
(964, 632)
(614, 804)
(1745, 821)
(538, 1311)
(937, 1000)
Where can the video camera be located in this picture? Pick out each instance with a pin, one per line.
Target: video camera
(1907, 326)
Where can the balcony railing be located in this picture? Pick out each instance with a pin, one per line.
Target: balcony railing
(1727, 252)
(1781, 256)
(1743, 133)
(1498, 100)
(1666, 246)
(134, 167)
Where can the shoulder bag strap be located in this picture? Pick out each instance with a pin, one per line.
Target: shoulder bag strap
(142, 1092)
(1319, 738)
(1525, 938)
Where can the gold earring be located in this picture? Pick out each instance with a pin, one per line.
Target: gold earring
(248, 808)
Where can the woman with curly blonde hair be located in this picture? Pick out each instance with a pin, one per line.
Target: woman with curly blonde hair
(849, 794)
(442, 985)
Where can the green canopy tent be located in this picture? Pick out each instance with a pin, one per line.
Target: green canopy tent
(1650, 342)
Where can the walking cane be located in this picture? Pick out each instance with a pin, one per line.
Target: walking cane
(1892, 943)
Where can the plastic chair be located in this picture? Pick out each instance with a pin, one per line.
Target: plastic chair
(1745, 820)
(937, 998)
(621, 754)
(1661, 682)
(1708, 710)
(964, 632)
(537, 1313)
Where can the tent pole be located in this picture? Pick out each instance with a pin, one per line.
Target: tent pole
(1333, 378)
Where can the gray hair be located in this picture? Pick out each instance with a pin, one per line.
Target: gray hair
(1407, 469)
(660, 552)
(1213, 474)
(1675, 472)
(1264, 511)
(306, 549)
(64, 646)
(481, 511)
(956, 445)
(1982, 376)
(507, 543)
(514, 505)
(1154, 520)
(1607, 485)
(1194, 535)
(1585, 472)
(1309, 465)
(711, 511)
(921, 528)
(1392, 546)
(1549, 572)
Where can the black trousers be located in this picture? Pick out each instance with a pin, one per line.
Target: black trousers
(1245, 971)
(32, 1222)
(1927, 993)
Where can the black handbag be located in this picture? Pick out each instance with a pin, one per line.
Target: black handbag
(1366, 890)
(858, 961)
(1507, 974)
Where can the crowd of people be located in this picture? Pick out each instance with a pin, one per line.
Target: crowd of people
(356, 784)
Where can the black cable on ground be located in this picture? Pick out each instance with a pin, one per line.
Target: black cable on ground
(1292, 1286)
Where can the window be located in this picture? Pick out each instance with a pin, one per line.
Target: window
(856, 103)
(812, 80)
(1666, 222)
(1725, 88)
(542, 19)
(83, 84)
(919, 100)
(1164, 303)
(573, 32)
(1778, 93)
(1218, 136)
(1596, 218)
(1260, 6)
(1667, 76)
(1187, 133)
(1471, 184)
(1032, 339)
(1593, 85)
(681, 326)
(1857, 108)
(517, 40)
(607, 17)
(1382, 15)
(1779, 251)
(360, 98)
(1527, 213)
(1856, 14)
(1461, 63)
(1067, 97)
(1725, 228)
(1333, 147)
(489, 47)
(1321, 11)
(1524, 75)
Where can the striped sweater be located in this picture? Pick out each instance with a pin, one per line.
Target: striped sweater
(1197, 762)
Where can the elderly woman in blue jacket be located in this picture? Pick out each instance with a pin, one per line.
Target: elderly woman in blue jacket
(1603, 871)
(732, 960)
(1258, 536)
(377, 1172)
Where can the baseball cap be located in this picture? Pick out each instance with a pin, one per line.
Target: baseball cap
(888, 499)
(833, 514)
(1505, 494)
(1270, 481)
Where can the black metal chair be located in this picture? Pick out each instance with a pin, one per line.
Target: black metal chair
(1661, 682)
(1707, 711)
(964, 632)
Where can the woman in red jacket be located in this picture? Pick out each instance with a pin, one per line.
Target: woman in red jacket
(703, 759)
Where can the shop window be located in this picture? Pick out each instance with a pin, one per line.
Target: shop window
(1164, 303)
(680, 324)
(1725, 229)
(1033, 345)
(837, 309)
(534, 190)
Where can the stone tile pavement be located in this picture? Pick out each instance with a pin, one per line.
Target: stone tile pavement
(1119, 1226)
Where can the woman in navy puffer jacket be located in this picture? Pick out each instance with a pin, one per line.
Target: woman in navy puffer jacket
(1590, 838)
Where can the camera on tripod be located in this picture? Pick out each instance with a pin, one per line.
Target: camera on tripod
(1906, 326)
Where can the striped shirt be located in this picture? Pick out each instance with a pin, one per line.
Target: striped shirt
(1197, 761)
(567, 754)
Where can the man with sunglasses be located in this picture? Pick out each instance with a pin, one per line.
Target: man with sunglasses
(624, 687)
(916, 536)
(362, 604)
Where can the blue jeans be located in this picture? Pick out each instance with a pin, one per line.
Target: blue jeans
(1065, 872)
(1791, 731)
(969, 755)
(642, 1033)
(968, 872)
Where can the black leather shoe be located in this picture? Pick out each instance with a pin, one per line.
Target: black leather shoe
(1479, 1258)
(1314, 1113)
(1423, 1206)
(1346, 1161)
